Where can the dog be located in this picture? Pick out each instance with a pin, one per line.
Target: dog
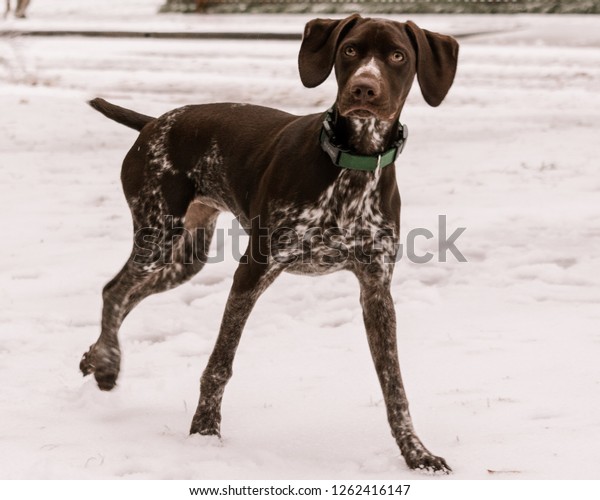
(20, 10)
(315, 193)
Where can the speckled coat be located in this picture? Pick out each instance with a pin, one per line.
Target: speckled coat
(303, 213)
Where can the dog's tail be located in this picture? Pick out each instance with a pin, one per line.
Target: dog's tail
(121, 115)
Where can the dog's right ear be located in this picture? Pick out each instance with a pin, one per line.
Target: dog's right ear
(319, 44)
(437, 57)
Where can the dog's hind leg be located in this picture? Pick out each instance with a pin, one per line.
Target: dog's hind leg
(162, 258)
(188, 256)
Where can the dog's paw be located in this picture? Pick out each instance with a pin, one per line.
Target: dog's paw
(86, 365)
(205, 426)
(424, 461)
(104, 363)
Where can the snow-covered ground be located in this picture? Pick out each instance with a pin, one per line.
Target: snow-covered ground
(499, 354)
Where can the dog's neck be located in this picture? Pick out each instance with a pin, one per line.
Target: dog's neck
(365, 136)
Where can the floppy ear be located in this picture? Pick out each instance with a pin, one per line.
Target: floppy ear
(437, 56)
(319, 44)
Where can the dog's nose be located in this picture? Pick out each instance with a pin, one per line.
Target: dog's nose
(365, 90)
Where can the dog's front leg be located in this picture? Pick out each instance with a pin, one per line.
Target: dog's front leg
(250, 280)
(380, 322)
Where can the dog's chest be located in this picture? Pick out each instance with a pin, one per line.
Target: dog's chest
(343, 226)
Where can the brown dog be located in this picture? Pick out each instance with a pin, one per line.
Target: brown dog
(316, 194)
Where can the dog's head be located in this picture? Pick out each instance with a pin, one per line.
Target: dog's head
(375, 63)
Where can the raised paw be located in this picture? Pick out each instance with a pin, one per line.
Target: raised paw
(104, 363)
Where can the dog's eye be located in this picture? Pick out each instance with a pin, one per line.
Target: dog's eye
(350, 51)
(397, 56)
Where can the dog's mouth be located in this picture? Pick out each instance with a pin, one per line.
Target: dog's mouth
(363, 113)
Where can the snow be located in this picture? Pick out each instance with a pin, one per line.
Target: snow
(499, 354)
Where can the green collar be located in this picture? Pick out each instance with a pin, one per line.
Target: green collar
(345, 159)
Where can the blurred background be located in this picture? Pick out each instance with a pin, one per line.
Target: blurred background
(388, 6)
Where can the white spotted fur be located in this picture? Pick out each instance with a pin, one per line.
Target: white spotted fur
(350, 205)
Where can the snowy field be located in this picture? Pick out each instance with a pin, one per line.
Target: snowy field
(499, 354)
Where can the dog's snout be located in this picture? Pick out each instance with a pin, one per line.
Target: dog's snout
(365, 90)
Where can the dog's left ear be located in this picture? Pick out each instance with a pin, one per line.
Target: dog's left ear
(437, 56)
(319, 44)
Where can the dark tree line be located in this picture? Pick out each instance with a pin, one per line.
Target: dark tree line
(389, 6)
